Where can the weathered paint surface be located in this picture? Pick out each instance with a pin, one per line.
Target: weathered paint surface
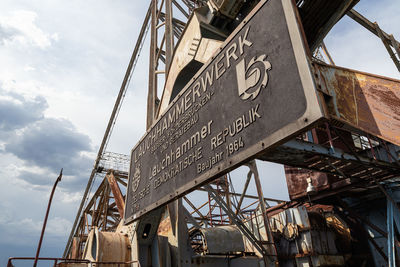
(223, 239)
(367, 102)
(107, 246)
(118, 197)
(200, 136)
(75, 248)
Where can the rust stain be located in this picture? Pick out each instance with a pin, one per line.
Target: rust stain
(368, 102)
(165, 227)
(297, 181)
(345, 98)
(118, 197)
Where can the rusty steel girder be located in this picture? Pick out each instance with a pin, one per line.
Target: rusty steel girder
(363, 101)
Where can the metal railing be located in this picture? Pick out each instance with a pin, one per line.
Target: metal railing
(66, 262)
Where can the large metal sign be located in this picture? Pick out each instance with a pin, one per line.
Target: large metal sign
(255, 93)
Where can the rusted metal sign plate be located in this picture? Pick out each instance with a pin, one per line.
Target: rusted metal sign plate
(254, 94)
(365, 101)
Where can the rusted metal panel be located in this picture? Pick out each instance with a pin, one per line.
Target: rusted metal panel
(295, 218)
(296, 179)
(364, 101)
(75, 248)
(107, 246)
(234, 108)
(306, 235)
(164, 228)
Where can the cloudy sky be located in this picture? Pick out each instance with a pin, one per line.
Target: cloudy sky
(61, 66)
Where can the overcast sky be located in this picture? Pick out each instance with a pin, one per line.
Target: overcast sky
(61, 66)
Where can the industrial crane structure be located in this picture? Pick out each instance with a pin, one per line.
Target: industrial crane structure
(247, 81)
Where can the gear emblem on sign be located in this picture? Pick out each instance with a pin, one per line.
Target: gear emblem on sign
(136, 179)
(248, 77)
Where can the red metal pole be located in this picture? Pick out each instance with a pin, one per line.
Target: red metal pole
(45, 218)
(209, 207)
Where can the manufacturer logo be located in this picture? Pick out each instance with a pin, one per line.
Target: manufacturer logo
(136, 179)
(253, 77)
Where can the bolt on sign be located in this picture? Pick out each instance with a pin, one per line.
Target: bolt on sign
(255, 93)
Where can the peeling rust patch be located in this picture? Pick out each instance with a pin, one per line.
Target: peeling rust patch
(367, 102)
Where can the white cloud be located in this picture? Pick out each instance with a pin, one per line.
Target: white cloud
(26, 230)
(58, 226)
(29, 68)
(69, 197)
(21, 28)
(73, 54)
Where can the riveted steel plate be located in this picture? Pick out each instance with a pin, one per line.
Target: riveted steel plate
(255, 93)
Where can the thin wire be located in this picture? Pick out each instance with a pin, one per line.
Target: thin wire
(118, 109)
(126, 87)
